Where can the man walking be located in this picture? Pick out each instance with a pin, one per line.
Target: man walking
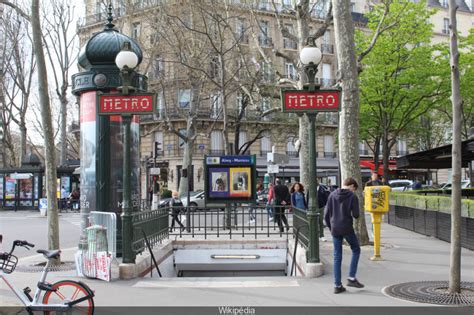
(282, 197)
(341, 208)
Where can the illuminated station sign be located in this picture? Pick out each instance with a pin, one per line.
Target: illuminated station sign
(133, 104)
(296, 101)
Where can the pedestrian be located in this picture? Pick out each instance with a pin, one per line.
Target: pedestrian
(341, 208)
(323, 195)
(281, 193)
(176, 208)
(298, 197)
(270, 202)
(374, 180)
(64, 196)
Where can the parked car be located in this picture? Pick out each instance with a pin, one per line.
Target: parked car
(464, 184)
(400, 184)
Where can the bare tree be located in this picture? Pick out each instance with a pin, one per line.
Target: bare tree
(60, 47)
(19, 67)
(455, 258)
(50, 156)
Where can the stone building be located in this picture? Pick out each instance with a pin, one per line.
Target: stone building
(190, 77)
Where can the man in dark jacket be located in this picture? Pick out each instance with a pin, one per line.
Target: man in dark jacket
(341, 207)
(282, 197)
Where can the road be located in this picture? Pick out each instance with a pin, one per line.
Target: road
(30, 226)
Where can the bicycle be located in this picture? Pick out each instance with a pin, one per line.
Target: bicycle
(62, 296)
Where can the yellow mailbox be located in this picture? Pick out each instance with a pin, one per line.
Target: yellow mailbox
(376, 198)
(376, 202)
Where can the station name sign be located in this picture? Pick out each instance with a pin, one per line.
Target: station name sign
(300, 101)
(229, 159)
(118, 104)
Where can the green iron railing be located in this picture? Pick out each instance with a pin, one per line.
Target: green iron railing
(300, 219)
(153, 224)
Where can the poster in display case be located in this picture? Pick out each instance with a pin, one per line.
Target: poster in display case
(230, 179)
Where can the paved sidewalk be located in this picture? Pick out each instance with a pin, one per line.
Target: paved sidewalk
(408, 256)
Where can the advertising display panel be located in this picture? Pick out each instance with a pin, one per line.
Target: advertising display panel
(230, 179)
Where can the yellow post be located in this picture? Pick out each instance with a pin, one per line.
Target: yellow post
(376, 221)
(376, 202)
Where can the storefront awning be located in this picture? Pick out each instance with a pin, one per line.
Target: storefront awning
(392, 165)
(437, 158)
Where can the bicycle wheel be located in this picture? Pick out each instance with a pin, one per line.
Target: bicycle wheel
(68, 291)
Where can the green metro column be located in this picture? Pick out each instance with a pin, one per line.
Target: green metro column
(101, 172)
(310, 57)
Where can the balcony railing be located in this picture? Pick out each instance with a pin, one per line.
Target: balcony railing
(289, 44)
(363, 152)
(327, 48)
(265, 40)
(400, 152)
(292, 153)
(445, 31)
(329, 154)
(264, 152)
(327, 82)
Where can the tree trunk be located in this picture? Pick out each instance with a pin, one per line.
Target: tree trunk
(385, 156)
(376, 154)
(50, 158)
(23, 132)
(349, 116)
(63, 132)
(455, 258)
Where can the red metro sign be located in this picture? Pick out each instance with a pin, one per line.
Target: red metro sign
(300, 101)
(133, 104)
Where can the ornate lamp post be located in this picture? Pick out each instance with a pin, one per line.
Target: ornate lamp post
(310, 57)
(126, 61)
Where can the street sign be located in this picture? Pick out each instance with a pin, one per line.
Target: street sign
(301, 101)
(119, 104)
(273, 169)
(155, 171)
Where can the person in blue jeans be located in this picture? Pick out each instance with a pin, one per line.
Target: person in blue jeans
(342, 206)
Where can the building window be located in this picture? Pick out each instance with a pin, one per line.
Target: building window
(353, 7)
(362, 149)
(289, 43)
(290, 147)
(158, 145)
(444, 3)
(240, 31)
(184, 98)
(327, 75)
(240, 104)
(402, 147)
(286, 4)
(290, 71)
(215, 105)
(242, 139)
(329, 146)
(214, 67)
(445, 26)
(217, 143)
(160, 100)
(265, 146)
(180, 140)
(263, 38)
(158, 66)
(266, 70)
(136, 30)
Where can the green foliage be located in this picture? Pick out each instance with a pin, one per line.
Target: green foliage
(165, 193)
(432, 203)
(399, 81)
